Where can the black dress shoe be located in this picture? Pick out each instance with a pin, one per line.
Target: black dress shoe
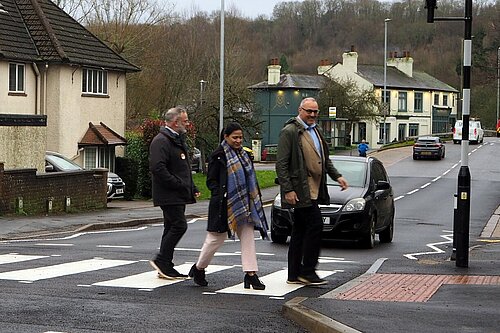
(166, 272)
(312, 280)
(198, 276)
(254, 281)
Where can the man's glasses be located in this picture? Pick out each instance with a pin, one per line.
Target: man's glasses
(310, 111)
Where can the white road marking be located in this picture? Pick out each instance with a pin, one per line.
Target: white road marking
(54, 244)
(425, 185)
(149, 280)
(446, 172)
(436, 250)
(276, 285)
(414, 191)
(221, 254)
(48, 272)
(436, 179)
(398, 198)
(115, 246)
(454, 165)
(14, 257)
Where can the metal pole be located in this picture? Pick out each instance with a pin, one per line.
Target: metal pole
(221, 92)
(498, 83)
(384, 97)
(463, 188)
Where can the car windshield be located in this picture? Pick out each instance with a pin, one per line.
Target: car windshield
(353, 171)
(62, 163)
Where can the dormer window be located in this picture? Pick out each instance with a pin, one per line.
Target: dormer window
(94, 81)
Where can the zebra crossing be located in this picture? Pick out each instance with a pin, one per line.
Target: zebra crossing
(144, 281)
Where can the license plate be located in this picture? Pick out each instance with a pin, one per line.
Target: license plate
(119, 191)
(326, 220)
(426, 153)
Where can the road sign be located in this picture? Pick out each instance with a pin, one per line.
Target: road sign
(332, 112)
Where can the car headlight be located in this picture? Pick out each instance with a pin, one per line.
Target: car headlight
(355, 205)
(277, 201)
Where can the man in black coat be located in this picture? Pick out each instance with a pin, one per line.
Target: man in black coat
(173, 187)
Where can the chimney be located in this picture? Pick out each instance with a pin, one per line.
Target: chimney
(273, 72)
(324, 66)
(350, 60)
(403, 64)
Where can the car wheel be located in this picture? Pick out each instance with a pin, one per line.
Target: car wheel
(415, 157)
(368, 240)
(278, 239)
(386, 235)
(455, 141)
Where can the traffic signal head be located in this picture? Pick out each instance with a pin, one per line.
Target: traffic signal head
(430, 5)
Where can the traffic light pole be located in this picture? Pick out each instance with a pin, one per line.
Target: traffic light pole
(462, 215)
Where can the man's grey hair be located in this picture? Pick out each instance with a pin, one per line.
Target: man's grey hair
(307, 99)
(172, 114)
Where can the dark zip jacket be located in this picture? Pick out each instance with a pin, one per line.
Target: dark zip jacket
(170, 168)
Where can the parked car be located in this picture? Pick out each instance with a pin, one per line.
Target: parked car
(498, 128)
(476, 133)
(428, 146)
(196, 163)
(269, 152)
(55, 162)
(365, 209)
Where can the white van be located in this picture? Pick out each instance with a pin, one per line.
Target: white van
(476, 132)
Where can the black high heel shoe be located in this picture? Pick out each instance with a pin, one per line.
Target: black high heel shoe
(254, 281)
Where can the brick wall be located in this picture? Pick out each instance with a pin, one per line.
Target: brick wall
(86, 190)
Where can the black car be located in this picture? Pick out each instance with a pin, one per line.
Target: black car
(56, 162)
(428, 147)
(366, 208)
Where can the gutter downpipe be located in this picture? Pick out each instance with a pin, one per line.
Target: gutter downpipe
(37, 85)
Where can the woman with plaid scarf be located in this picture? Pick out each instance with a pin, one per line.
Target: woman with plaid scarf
(235, 207)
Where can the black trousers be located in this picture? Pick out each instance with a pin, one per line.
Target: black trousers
(305, 242)
(174, 227)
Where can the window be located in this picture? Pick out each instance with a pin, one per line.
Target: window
(94, 81)
(436, 99)
(90, 158)
(16, 77)
(384, 133)
(445, 100)
(413, 129)
(401, 132)
(362, 132)
(402, 95)
(387, 96)
(99, 157)
(418, 102)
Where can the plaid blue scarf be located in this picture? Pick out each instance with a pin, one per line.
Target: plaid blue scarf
(244, 204)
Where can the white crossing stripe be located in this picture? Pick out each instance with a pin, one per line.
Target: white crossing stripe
(150, 280)
(275, 284)
(70, 268)
(14, 257)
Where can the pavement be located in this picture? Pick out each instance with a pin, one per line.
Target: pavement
(426, 295)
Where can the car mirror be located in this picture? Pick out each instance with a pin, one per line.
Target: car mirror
(49, 168)
(383, 185)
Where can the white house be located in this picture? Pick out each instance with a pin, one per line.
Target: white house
(418, 103)
(55, 70)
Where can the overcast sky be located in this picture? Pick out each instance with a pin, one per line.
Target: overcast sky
(248, 8)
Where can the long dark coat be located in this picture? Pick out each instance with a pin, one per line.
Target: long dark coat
(217, 184)
(170, 167)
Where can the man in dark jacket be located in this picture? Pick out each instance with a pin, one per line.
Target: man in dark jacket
(173, 187)
(302, 165)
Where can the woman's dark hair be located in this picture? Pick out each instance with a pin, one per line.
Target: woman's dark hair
(230, 128)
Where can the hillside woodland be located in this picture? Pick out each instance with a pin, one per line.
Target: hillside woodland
(177, 50)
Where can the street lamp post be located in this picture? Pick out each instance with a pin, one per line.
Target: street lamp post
(384, 94)
(221, 88)
(498, 83)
